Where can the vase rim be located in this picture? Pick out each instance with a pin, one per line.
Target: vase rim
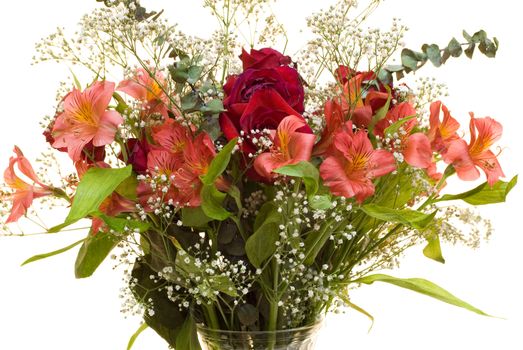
(319, 322)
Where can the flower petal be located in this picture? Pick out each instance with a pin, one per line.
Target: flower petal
(109, 122)
(417, 151)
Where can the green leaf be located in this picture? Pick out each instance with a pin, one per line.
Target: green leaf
(75, 80)
(433, 249)
(121, 225)
(93, 252)
(407, 217)
(433, 54)
(454, 48)
(315, 240)
(394, 67)
(421, 286)
(266, 209)
(219, 163)
(304, 170)
(128, 188)
(484, 194)
(488, 48)
(167, 318)
(213, 107)
(322, 202)
(56, 252)
(187, 338)
(394, 127)
(212, 203)
(350, 304)
(191, 102)
(385, 76)
(186, 265)
(194, 217)
(235, 193)
(467, 36)
(410, 59)
(133, 338)
(179, 75)
(479, 36)
(262, 244)
(96, 185)
(222, 284)
(193, 74)
(469, 51)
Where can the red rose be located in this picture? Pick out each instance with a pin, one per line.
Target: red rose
(137, 155)
(264, 58)
(239, 90)
(265, 110)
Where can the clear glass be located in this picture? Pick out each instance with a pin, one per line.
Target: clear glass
(303, 338)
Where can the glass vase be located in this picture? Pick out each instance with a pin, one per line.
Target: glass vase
(303, 338)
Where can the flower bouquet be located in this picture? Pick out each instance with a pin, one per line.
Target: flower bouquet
(246, 195)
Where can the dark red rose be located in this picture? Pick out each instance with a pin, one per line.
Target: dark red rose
(265, 110)
(263, 58)
(239, 89)
(137, 155)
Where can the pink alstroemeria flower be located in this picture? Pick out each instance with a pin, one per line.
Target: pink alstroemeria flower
(24, 193)
(147, 89)
(85, 119)
(465, 158)
(349, 171)
(415, 147)
(289, 147)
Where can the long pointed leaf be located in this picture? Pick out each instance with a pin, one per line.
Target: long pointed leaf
(143, 327)
(56, 252)
(484, 194)
(408, 217)
(422, 286)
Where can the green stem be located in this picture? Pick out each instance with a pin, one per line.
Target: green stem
(212, 318)
(273, 311)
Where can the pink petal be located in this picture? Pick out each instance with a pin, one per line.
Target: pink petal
(107, 129)
(489, 131)
(21, 202)
(490, 165)
(333, 174)
(266, 162)
(133, 89)
(300, 146)
(290, 124)
(75, 146)
(458, 155)
(417, 151)
(382, 162)
(100, 95)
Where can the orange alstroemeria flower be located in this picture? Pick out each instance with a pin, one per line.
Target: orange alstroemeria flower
(289, 147)
(349, 171)
(442, 132)
(85, 119)
(415, 147)
(465, 158)
(178, 159)
(24, 193)
(143, 87)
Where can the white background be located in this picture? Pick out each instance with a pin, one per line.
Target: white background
(42, 306)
